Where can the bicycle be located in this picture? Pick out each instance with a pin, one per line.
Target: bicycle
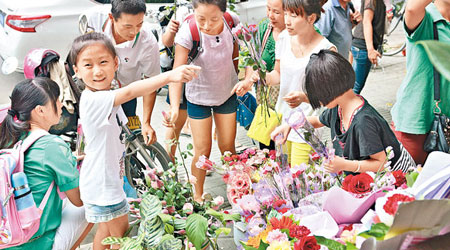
(139, 156)
(394, 40)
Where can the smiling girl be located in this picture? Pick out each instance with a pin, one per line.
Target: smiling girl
(101, 183)
(209, 95)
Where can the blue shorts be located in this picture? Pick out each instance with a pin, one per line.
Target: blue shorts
(97, 214)
(201, 112)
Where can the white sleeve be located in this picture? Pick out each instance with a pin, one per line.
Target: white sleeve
(150, 60)
(279, 44)
(96, 107)
(184, 37)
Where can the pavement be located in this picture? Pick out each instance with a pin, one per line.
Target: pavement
(380, 90)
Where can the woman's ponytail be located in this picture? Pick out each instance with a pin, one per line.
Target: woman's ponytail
(26, 95)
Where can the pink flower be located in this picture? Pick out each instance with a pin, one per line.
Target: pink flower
(192, 179)
(188, 208)
(296, 119)
(252, 28)
(249, 203)
(276, 235)
(171, 209)
(157, 184)
(218, 200)
(204, 163)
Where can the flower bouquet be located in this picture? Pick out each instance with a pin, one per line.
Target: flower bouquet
(252, 57)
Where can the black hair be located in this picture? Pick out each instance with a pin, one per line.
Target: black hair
(25, 96)
(302, 7)
(328, 76)
(132, 7)
(85, 40)
(222, 4)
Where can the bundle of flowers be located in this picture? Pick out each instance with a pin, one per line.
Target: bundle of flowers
(251, 57)
(279, 232)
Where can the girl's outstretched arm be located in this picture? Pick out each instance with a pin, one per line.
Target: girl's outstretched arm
(374, 164)
(176, 76)
(315, 121)
(273, 78)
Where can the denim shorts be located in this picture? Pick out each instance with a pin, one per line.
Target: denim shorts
(201, 112)
(97, 214)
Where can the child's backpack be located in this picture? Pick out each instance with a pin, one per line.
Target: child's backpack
(195, 33)
(19, 216)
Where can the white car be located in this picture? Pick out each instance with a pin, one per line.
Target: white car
(53, 24)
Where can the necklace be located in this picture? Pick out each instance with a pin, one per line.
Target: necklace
(342, 128)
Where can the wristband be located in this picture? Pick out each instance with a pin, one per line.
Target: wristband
(359, 166)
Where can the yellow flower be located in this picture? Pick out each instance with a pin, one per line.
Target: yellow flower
(280, 245)
(256, 177)
(254, 241)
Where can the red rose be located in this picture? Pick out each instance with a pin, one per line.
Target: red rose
(306, 243)
(392, 202)
(399, 178)
(358, 184)
(296, 231)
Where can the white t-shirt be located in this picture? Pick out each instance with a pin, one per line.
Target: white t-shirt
(292, 76)
(217, 77)
(137, 58)
(102, 170)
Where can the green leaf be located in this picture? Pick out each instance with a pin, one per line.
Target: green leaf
(378, 231)
(247, 247)
(150, 207)
(179, 224)
(152, 231)
(215, 214)
(189, 146)
(330, 244)
(114, 240)
(411, 178)
(231, 217)
(165, 217)
(263, 245)
(196, 226)
(170, 244)
(351, 246)
(224, 230)
(439, 54)
(168, 228)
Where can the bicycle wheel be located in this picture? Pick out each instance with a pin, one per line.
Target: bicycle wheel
(136, 163)
(395, 40)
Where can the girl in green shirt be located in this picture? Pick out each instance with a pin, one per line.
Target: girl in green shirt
(35, 106)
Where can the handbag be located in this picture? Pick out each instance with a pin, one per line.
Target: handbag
(246, 110)
(263, 124)
(438, 139)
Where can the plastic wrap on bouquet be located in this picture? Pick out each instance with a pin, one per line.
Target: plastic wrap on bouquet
(345, 207)
(434, 180)
(321, 224)
(298, 122)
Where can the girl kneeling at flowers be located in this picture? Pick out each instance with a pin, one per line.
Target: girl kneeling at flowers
(101, 184)
(359, 133)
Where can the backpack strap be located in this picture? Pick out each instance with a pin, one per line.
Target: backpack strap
(25, 144)
(195, 33)
(196, 38)
(46, 196)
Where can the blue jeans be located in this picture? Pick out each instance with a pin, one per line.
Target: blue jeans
(361, 66)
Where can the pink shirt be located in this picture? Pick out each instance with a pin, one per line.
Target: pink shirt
(217, 77)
